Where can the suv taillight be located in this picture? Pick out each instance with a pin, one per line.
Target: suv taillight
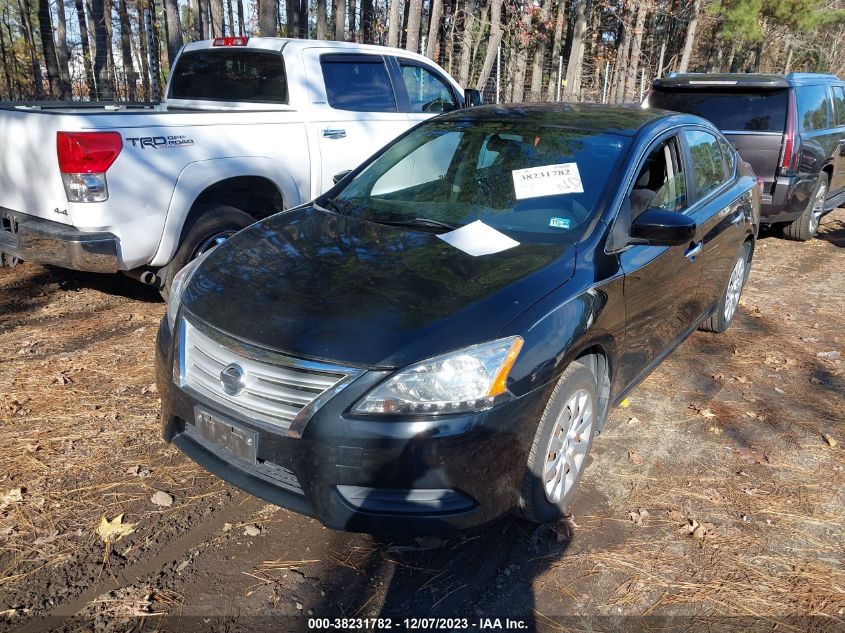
(84, 158)
(791, 146)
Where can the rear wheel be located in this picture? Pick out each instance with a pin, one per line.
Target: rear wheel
(209, 227)
(722, 318)
(805, 227)
(561, 445)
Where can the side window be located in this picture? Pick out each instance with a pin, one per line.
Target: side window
(661, 182)
(730, 159)
(427, 91)
(839, 105)
(812, 107)
(358, 82)
(708, 169)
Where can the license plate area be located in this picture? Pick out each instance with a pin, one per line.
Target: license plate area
(224, 434)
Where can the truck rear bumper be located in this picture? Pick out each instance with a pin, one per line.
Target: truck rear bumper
(42, 241)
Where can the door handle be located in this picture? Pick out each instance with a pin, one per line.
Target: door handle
(693, 251)
(334, 133)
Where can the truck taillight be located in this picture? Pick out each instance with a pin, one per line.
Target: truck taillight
(230, 41)
(84, 159)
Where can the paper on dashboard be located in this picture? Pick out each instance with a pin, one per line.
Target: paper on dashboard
(478, 239)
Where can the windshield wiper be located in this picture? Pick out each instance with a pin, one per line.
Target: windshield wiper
(334, 206)
(419, 223)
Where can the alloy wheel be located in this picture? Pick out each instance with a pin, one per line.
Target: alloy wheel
(211, 242)
(818, 208)
(734, 289)
(568, 445)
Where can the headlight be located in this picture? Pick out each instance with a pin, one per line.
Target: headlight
(470, 379)
(180, 282)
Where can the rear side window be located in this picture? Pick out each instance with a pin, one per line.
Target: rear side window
(708, 168)
(812, 107)
(230, 75)
(839, 105)
(358, 82)
(750, 111)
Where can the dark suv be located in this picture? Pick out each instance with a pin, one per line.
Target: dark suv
(790, 128)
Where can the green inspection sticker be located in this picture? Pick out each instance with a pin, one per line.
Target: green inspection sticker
(559, 223)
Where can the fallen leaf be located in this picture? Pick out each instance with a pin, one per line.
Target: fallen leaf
(252, 530)
(830, 441)
(716, 430)
(779, 390)
(750, 491)
(707, 413)
(114, 530)
(636, 458)
(638, 516)
(741, 379)
(718, 376)
(15, 495)
(625, 403)
(161, 498)
(751, 455)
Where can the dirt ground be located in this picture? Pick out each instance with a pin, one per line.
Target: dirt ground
(715, 500)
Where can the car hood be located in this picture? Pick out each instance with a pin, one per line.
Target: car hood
(319, 285)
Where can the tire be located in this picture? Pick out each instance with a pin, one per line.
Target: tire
(805, 227)
(204, 229)
(576, 390)
(725, 312)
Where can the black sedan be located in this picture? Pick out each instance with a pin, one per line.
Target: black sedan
(436, 341)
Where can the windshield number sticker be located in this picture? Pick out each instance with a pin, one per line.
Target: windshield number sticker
(549, 180)
(560, 223)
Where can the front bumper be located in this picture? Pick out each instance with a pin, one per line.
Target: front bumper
(412, 477)
(45, 242)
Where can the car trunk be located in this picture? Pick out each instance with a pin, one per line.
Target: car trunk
(754, 121)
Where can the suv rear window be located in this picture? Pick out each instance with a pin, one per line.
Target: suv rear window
(751, 111)
(230, 75)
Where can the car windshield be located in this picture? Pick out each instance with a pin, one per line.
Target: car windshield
(537, 184)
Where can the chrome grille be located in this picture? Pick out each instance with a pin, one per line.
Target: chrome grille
(275, 390)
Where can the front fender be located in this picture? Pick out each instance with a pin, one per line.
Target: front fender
(198, 176)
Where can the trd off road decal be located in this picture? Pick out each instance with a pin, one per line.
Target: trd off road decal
(159, 142)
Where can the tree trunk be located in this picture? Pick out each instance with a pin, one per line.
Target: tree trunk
(353, 8)
(536, 93)
(689, 40)
(464, 66)
(86, 51)
(216, 26)
(101, 72)
(10, 93)
(340, 20)
(576, 54)
(634, 62)
(367, 22)
(521, 57)
(622, 58)
(412, 41)
(174, 31)
(322, 21)
(29, 37)
(230, 20)
(48, 47)
(241, 18)
(126, 51)
(557, 44)
(140, 7)
(62, 52)
(492, 43)
(268, 16)
(432, 45)
(394, 28)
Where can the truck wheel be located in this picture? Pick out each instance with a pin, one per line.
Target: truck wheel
(561, 445)
(805, 227)
(722, 318)
(205, 229)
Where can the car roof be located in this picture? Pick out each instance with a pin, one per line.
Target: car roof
(623, 120)
(763, 81)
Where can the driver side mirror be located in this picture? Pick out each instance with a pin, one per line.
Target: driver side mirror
(663, 228)
(472, 98)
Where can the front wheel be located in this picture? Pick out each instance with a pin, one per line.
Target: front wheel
(209, 227)
(725, 311)
(561, 445)
(805, 227)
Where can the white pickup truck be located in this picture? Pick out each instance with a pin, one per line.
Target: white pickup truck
(250, 126)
